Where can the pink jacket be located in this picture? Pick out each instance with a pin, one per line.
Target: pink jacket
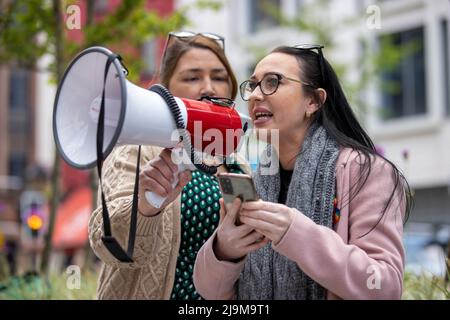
(347, 265)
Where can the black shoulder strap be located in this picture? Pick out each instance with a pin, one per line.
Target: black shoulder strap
(108, 240)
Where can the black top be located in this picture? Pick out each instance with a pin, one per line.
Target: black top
(285, 180)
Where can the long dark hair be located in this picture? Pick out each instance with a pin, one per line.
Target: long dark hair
(338, 119)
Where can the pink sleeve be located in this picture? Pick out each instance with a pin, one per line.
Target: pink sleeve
(213, 278)
(368, 267)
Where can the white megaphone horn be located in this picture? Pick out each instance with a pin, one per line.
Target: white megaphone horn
(132, 115)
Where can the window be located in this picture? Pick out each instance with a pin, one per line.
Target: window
(403, 87)
(18, 94)
(19, 104)
(263, 14)
(17, 164)
(19, 121)
(446, 64)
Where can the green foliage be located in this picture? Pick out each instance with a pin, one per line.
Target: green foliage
(130, 24)
(28, 30)
(4, 269)
(19, 30)
(425, 287)
(415, 287)
(32, 287)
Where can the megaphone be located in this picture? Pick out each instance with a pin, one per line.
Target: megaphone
(133, 115)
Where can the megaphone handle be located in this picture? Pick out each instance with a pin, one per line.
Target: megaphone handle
(155, 199)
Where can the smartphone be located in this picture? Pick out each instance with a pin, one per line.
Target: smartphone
(233, 185)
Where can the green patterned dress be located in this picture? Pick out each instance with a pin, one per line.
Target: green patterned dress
(199, 218)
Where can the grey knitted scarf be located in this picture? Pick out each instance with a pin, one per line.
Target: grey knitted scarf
(267, 274)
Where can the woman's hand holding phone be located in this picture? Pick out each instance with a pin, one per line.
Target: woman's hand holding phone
(235, 242)
(270, 219)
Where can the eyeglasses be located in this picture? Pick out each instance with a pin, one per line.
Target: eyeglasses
(319, 48)
(268, 85)
(186, 35)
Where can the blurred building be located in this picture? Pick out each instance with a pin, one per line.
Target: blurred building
(410, 124)
(17, 150)
(26, 141)
(413, 124)
(17, 124)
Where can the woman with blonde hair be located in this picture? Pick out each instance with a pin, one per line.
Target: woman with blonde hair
(167, 238)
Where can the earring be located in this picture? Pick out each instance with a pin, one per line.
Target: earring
(308, 114)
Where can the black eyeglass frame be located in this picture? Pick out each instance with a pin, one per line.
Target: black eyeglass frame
(279, 77)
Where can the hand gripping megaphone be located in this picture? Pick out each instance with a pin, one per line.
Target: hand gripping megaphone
(137, 116)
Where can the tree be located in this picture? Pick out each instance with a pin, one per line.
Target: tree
(30, 29)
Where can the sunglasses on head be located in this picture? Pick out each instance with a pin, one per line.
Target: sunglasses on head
(312, 47)
(185, 35)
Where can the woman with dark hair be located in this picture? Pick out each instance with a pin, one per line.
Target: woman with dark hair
(167, 238)
(332, 213)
